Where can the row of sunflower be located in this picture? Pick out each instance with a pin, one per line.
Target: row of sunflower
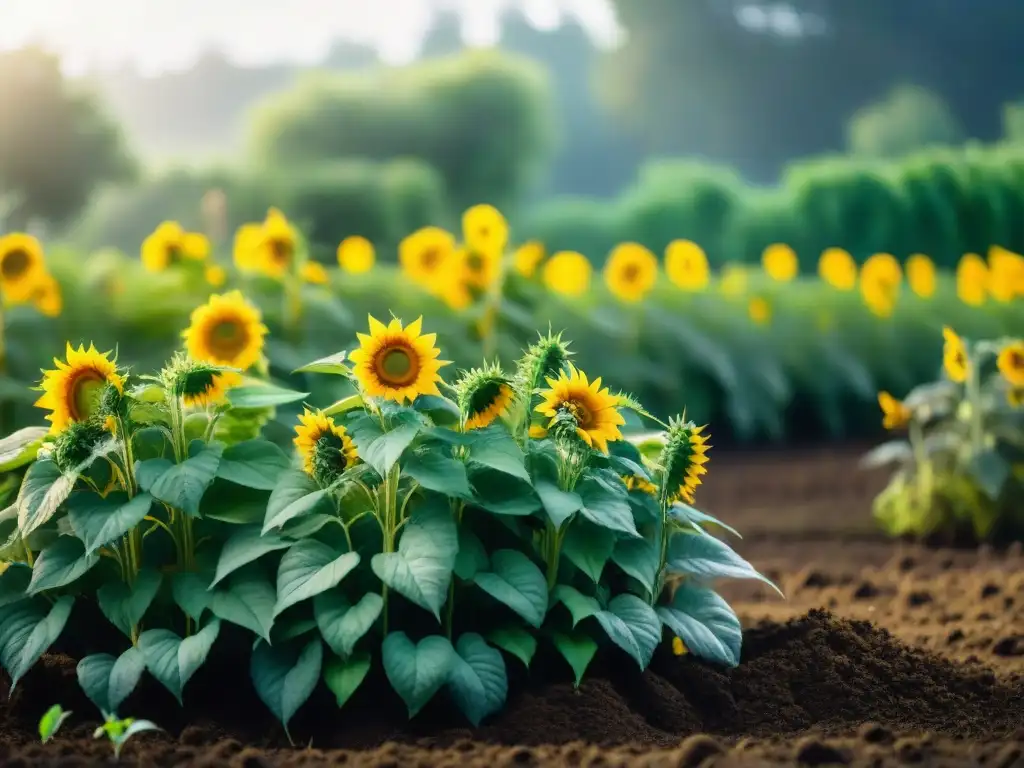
(24, 276)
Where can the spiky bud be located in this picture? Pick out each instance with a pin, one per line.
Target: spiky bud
(483, 395)
(75, 445)
(543, 359)
(192, 380)
(682, 460)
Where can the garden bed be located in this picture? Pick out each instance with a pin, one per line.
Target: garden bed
(882, 652)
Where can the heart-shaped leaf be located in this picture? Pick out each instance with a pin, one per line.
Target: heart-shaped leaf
(344, 676)
(61, 563)
(27, 630)
(417, 672)
(606, 505)
(576, 648)
(43, 489)
(516, 641)
(707, 558)
(125, 606)
(517, 582)
(254, 463)
(191, 593)
(632, 625)
(309, 568)
(183, 485)
(248, 602)
(705, 623)
(638, 558)
(478, 682)
(245, 545)
(284, 677)
(97, 520)
(588, 547)
(495, 448)
(296, 494)
(173, 661)
(108, 681)
(343, 625)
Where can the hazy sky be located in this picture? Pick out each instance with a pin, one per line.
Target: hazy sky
(168, 34)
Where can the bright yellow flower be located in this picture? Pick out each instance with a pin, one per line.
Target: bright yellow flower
(315, 273)
(686, 265)
(760, 310)
(538, 432)
(314, 427)
(397, 363)
(528, 257)
(485, 230)
(425, 253)
(1011, 363)
(567, 273)
(734, 280)
(488, 405)
(1006, 274)
(215, 392)
(880, 279)
(921, 275)
(22, 266)
(480, 268)
(594, 409)
(678, 647)
(780, 262)
(636, 483)
(883, 267)
(837, 268)
(72, 391)
(356, 255)
(169, 244)
(226, 331)
(698, 458)
(630, 272)
(954, 356)
(216, 275)
(47, 297)
(894, 413)
(972, 279)
(276, 246)
(246, 251)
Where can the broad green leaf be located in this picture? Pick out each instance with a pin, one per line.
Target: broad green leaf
(606, 505)
(517, 582)
(472, 556)
(43, 490)
(344, 676)
(705, 557)
(245, 545)
(305, 526)
(97, 520)
(309, 568)
(247, 602)
(576, 648)
(421, 569)
(580, 606)
(14, 583)
(296, 494)
(51, 722)
(149, 471)
(255, 464)
(345, 404)
(125, 606)
(173, 661)
(417, 672)
(705, 623)
(284, 677)
(382, 449)
(558, 504)
(638, 558)
(632, 625)
(263, 396)
(61, 563)
(990, 471)
(437, 472)
(588, 547)
(27, 630)
(343, 625)
(21, 447)
(334, 364)
(108, 681)
(291, 628)
(441, 410)
(495, 448)
(191, 593)
(183, 485)
(687, 514)
(889, 452)
(516, 641)
(502, 494)
(477, 682)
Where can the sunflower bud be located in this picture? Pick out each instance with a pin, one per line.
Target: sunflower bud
(682, 460)
(543, 360)
(75, 445)
(483, 395)
(192, 380)
(112, 403)
(325, 447)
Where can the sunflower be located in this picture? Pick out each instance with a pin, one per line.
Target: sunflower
(695, 448)
(319, 439)
(780, 262)
(759, 310)
(879, 295)
(72, 391)
(637, 483)
(397, 363)
(424, 254)
(921, 275)
(356, 255)
(47, 297)
(528, 257)
(894, 413)
(276, 246)
(483, 395)
(485, 230)
(227, 331)
(480, 268)
(734, 280)
(686, 265)
(216, 275)
(488, 405)
(245, 252)
(837, 268)
(567, 273)
(954, 356)
(22, 266)
(1015, 396)
(972, 279)
(169, 244)
(1006, 271)
(1011, 363)
(883, 267)
(214, 391)
(630, 272)
(594, 410)
(315, 273)
(678, 646)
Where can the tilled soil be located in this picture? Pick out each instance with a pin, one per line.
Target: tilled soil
(883, 653)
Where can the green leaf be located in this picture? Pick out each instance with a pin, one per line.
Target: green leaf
(705, 557)
(344, 676)
(183, 485)
(97, 520)
(517, 582)
(27, 630)
(493, 447)
(478, 682)
(417, 672)
(309, 568)
(437, 472)
(705, 623)
(190, 591)
(263, 396)
(638, 558)
(344, 405)
(149, 471)
(580, 606)
(21, 447)
(284, 678)
(516, 641)
(248, 602)
(255, 464)
(61, 563)
(588, 547)
(43, 490)
(990, 471)
(51, 722)
(245, 545)
(421, 569)
(108, 681)
(14, 583)
(558, 504)
(472, 556)
(334, 364)
(343, 625)
(687, 514)
(296, 494)
(440, 409)
(382, 449)
(502, 494)
(173, 661)
(134, 728)
(606, 506)
(577, 649)
(125, 606)
(632, 625)
(890, 452)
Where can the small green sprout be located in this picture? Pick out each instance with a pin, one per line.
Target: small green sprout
(120, 730)
(51, 722)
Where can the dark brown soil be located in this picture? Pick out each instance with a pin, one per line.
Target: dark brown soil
(883, 654)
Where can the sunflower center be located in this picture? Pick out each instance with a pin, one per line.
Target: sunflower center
(580, 412)
(1016, 360)
(329, 459)
(228, 339)
(173, 253)
(485, 397)
(397, 366)
(631, 273)
(14, 264)
(475, 263)
(431, 257)
(85, 391)
(280, 250)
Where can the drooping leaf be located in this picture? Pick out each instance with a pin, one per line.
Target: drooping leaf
(108, 681)
(173, 661)
(296, 494)
(705, 623)
(308, 568)
(437, 472)
(576, 648)
(580, 606)
(27, 630)
(558, 504)
(417, 671)
(62, 562)
(502, 493)
(284, 677)
(125, 606)
(638, 558)
(247, 602)
(245, 545)
(43, 490)
(255, 464)
(332, 364)
(889, 452)
(344, 676)
(516, 641)
(97, 520)
(495, 448)
(191, 593)
(380, 449)
(472, 556)
(183, 485)
(21, 447)
(343, 625)
(478, 682)
(705, 557)
(632, 625)
(517, 582)
(990, 471)
(14, 583)
(606, 505)
(263, 396)
(687, 514)
(149, 471)
(588, 547)
(345, 404)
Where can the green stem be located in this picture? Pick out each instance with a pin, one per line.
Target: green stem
(973, 392)
(554, 551)
(450, 608)
(390, 526)
(924, 477)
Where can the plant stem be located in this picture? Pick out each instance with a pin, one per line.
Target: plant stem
(390, 526)
(924, 467)
(973, 392)
(450, 608)
(555, 536)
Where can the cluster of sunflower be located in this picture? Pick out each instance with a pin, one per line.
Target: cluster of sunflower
(24, 277)
(961, 470)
